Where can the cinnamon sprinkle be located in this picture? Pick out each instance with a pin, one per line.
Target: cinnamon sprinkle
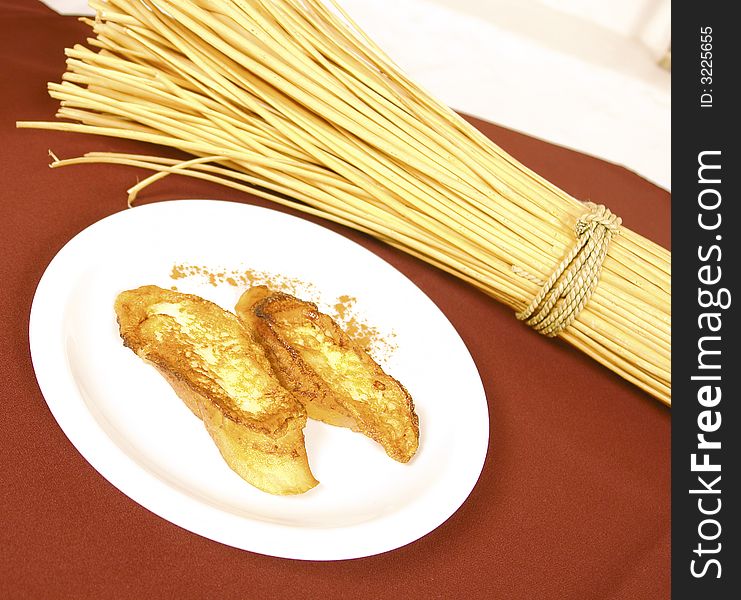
(379, 345)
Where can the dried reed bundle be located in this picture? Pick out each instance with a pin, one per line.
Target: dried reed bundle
(289, 100)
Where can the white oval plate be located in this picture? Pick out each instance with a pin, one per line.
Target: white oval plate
(129, 425)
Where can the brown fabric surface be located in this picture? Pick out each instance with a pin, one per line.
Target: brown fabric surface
(573, 501)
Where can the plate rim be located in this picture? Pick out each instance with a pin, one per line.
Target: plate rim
(133, 480)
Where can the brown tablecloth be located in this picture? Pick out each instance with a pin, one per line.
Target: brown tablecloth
(574, 498)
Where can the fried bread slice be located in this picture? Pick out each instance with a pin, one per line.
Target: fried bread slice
(223, 376)
(331, 374)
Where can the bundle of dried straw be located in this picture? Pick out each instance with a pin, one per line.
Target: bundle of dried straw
(289, 100)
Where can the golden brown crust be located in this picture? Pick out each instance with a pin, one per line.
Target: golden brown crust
(292, 371)
(224, 377)
(335, 379)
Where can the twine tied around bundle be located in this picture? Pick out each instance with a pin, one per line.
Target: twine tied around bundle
(566, 292)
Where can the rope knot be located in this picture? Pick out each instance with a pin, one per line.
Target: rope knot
(566, 292)
(598, 215)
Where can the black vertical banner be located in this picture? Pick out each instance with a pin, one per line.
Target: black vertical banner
(706, 426)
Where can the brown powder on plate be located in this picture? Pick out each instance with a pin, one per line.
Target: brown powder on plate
(177, 272)
(368, 336)
(379, 345)
(344, 303)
